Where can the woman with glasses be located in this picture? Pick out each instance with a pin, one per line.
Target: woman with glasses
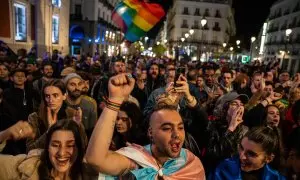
(127, 126)
(259, 157)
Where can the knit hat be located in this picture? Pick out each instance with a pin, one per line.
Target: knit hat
(67, 71)
(71, 76)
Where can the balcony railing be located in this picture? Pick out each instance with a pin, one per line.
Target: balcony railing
(185, 13)
(216, 29)
(195, 27)
(184, 26)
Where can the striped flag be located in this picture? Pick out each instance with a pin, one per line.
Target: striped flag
(136, 18)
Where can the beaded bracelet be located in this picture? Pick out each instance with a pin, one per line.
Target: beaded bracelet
(112, 105)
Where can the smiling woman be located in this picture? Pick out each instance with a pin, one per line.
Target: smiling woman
(62, 157)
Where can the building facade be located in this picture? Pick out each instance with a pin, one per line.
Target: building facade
(28, 23)
(92, 30)
(280, 46)
(205, 41)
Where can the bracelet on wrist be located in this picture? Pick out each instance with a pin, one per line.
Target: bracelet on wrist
(193, 98)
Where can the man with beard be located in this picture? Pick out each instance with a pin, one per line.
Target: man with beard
(57, 64)
(154, 80)
(38, 84)
(163, 158)
(75, 100)
(100, 89)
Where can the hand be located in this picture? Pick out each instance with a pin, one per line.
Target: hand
(78, 115)
(183, 87)
(18, 131)
(120, 86)
(236, 118)
(51, 117)
(274, 96)
(253, 88)
(140, 84)
(170, 97)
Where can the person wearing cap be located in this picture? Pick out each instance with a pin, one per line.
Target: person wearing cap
(75, 100)
(226, 131)
(32, 70)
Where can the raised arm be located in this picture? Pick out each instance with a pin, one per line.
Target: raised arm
(98, 153)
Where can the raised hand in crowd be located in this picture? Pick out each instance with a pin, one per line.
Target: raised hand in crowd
(120, 87)
(20, 130)
(236, 118)
(51, 116)
(182, 86)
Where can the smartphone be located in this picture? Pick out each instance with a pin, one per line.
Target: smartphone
(179, 71)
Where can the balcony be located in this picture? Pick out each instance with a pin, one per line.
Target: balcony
(197, 13)
(195, 27)
(185, 13)
(283, 27)
(218, 15)
(76, 17)
(184, 26)
(286, 12)
(216, 28)
(206, 28)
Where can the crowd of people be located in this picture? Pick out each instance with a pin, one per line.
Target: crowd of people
(98, 117)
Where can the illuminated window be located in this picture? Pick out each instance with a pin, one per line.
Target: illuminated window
(20, 22)
(56, 3)
(55, 29)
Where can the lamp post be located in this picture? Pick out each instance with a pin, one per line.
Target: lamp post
(231, 56)
(224, 46)
(251, 47)
(287, 34)
(203, 23)
(191, 31)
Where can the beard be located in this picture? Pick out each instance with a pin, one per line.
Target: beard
(48, 75)
(74, 94)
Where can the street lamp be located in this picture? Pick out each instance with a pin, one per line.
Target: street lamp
(165, 41)
(251, 47)
(182, 39)
(158, 43)
(203, 23)
(238, 42)
(186, 35)
(231, 56)
(191, 31)
(287, 34)
(224, 45)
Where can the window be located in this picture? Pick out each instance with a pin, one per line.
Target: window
(20, 22)
(218, 14)
(56, 3)
(186, 10)
(206, 14)
(197, 12)
(184, 24)
(196, 24)
(55, 29)
(78, 9)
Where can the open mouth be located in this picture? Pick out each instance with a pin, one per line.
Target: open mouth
(62, 161)
(175, 147)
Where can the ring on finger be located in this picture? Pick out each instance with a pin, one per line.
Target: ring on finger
(21, 131)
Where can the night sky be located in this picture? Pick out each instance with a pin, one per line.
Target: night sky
(249, 18)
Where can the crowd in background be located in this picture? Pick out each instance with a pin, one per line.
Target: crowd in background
(242, 116)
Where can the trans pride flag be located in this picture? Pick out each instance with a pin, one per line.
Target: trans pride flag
(136, 17)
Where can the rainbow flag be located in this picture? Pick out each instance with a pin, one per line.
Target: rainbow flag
(136, 18)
